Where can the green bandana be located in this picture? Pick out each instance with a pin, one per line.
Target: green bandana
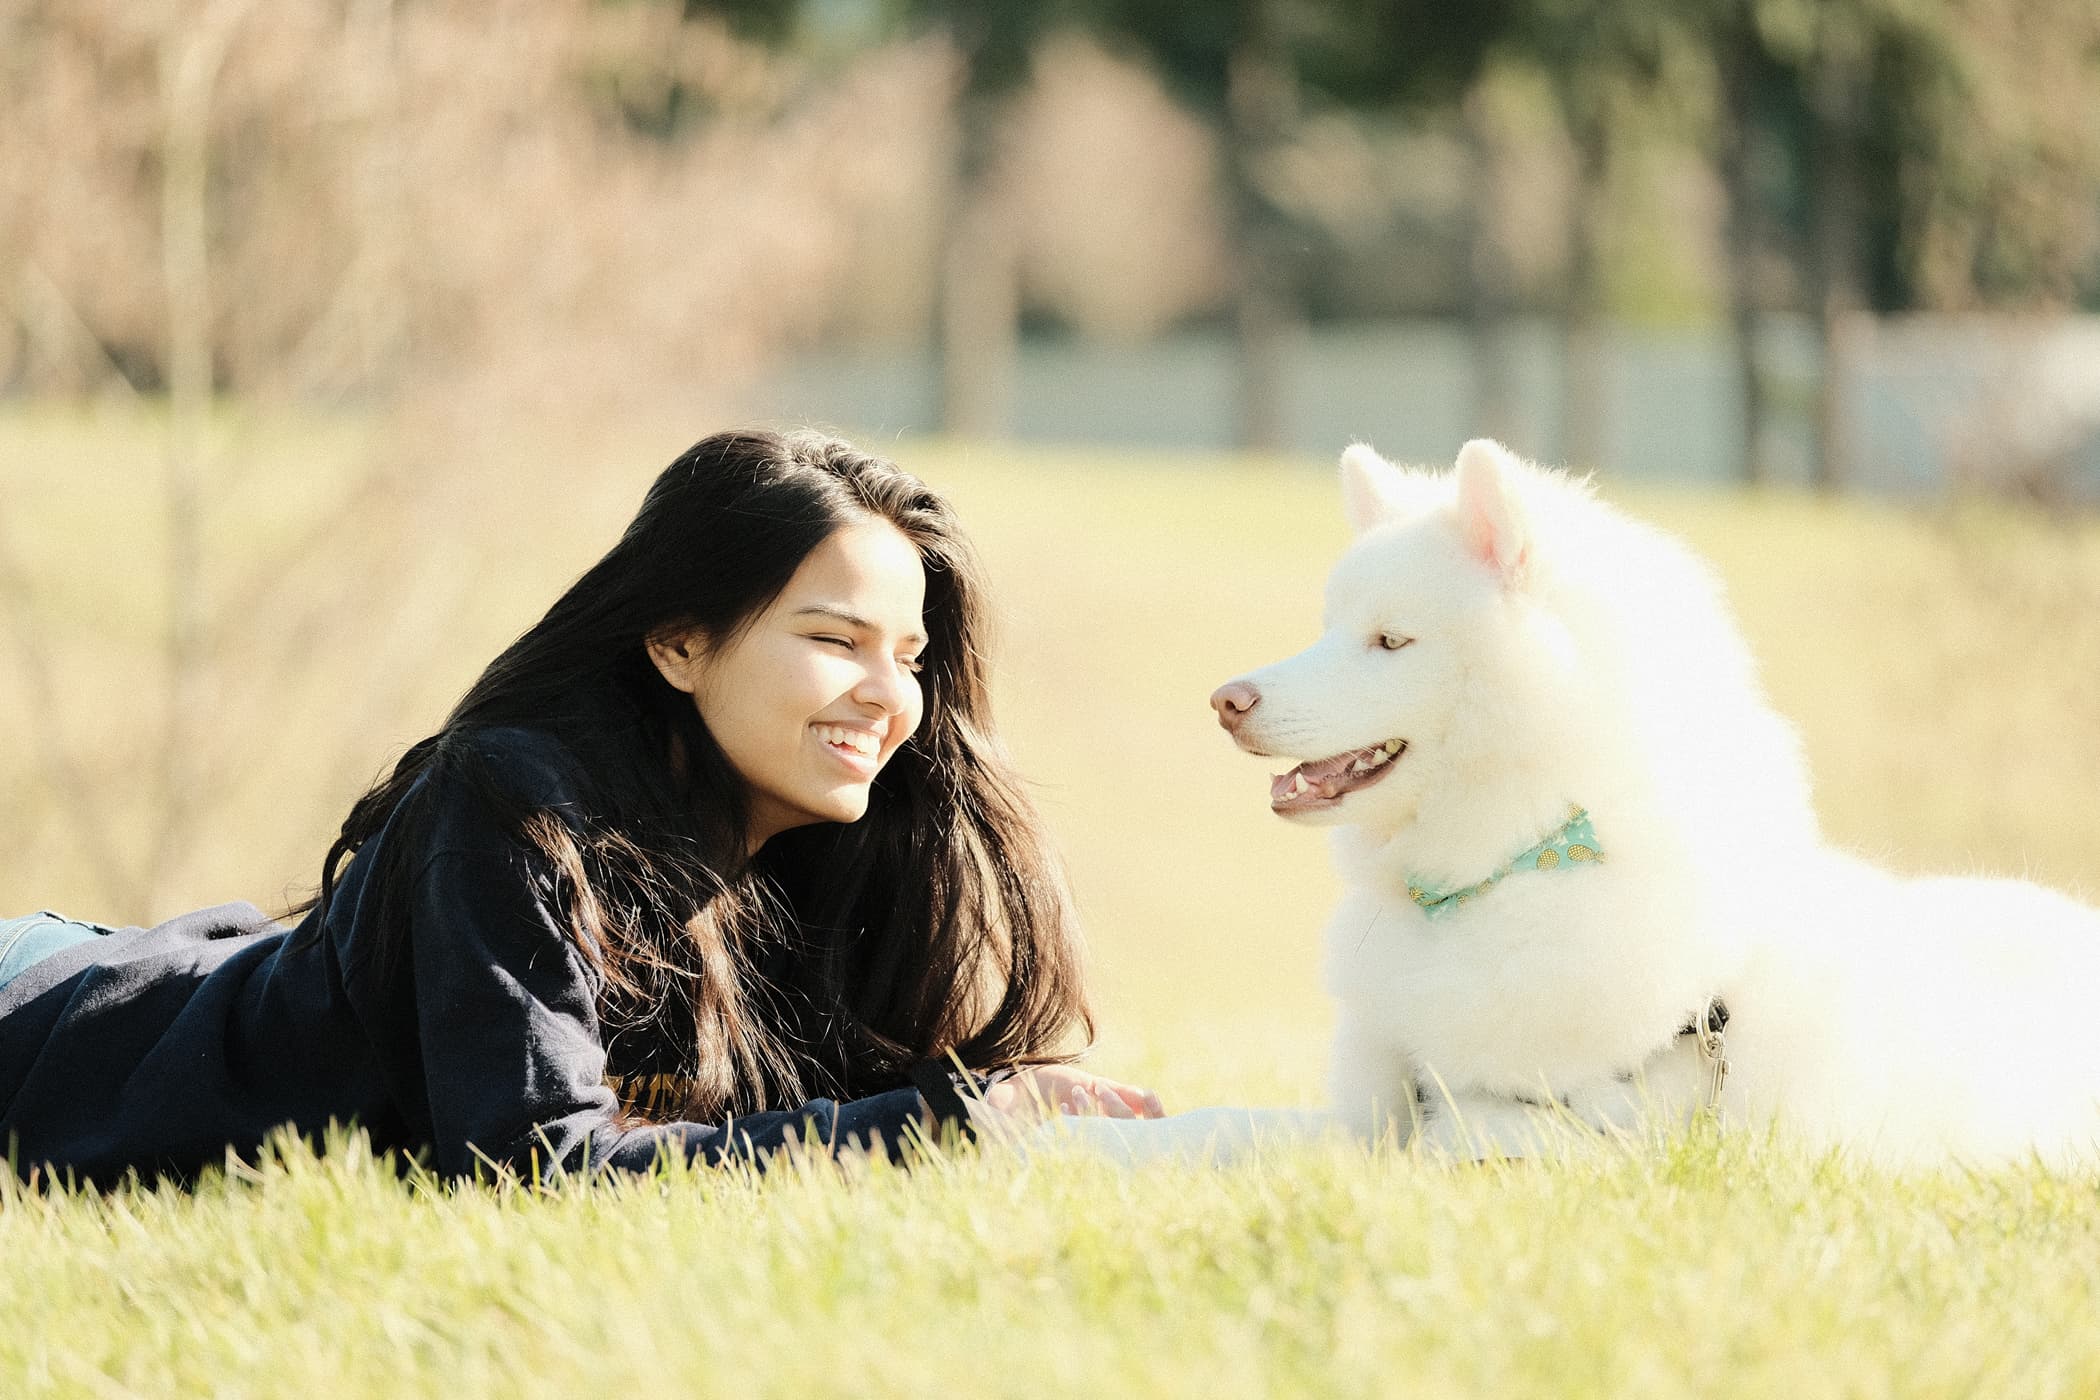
(1573, 844)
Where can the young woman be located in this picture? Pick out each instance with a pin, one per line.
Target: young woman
(721, 854)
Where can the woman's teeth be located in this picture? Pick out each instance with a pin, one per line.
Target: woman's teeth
(858, 740)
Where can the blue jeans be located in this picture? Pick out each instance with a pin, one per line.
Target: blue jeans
(32, 938)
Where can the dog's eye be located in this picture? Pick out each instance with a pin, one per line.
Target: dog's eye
(1393, 641)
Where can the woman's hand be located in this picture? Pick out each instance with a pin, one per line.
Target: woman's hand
(1045, 1090)
(1025, 1097)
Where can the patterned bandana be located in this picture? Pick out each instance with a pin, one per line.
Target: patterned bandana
(1573, 844)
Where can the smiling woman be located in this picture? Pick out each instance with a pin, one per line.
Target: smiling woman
(721, 854)
(816, 693)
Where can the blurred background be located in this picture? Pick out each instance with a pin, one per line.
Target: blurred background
(337, 335)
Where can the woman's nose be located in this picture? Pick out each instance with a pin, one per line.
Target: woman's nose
(892, 687)
(1232, 701)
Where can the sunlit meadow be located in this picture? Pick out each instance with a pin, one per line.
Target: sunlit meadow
(1943, 664)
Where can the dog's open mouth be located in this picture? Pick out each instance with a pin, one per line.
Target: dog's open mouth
(1323, 782)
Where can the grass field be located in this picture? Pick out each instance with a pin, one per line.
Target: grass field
(1944, 667)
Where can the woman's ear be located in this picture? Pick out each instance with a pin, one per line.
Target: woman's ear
(679, 657)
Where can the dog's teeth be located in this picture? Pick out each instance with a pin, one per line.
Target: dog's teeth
(1392, 748)
(1298, 783)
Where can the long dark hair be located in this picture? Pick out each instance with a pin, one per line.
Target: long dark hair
(840, 954)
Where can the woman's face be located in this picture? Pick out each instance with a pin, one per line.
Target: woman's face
(809, 701)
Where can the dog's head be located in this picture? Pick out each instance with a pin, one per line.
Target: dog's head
(1440, 650)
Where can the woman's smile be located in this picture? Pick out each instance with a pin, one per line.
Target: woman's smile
(860, 750)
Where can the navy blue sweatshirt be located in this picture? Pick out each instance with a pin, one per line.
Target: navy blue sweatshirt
(159, 1048)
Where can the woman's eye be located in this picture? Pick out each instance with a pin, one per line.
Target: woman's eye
(912, 664)
(846, 642)
(1393, 641)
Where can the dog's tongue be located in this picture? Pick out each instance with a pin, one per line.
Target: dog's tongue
(1326, 777)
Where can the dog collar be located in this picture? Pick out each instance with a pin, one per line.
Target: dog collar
(1573, 843)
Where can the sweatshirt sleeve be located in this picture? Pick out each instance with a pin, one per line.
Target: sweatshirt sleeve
(513, 1063)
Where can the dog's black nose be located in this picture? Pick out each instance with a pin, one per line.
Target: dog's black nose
(1232, 701)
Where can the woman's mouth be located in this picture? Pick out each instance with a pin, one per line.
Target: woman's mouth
(1323, 782)
(859, 749)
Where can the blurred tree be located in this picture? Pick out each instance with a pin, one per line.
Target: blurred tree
(1982, 154)
(1753, 98)
(1116, 192)
(1248, 67)
(1613, 68)
(366, 200)
(763, 21)
(188, 60)
(978, 300)
(1900, 155)
(1490, 281)
(1820, 55)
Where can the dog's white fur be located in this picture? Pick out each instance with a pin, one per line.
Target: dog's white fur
(1563, 653)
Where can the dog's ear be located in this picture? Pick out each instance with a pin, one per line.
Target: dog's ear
(1491, 515)
(1374, 491)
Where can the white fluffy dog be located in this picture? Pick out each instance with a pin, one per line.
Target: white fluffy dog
(1584, 882)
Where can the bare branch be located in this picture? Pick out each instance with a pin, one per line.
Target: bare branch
(190, 58)
(63, 336)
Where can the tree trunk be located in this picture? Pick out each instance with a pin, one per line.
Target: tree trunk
(1739, 63)
(979, 297)
(1585, 355)
(979, 319)
(1260, 107)
(352, 346)
(190, 58)
(1262, 321)
(1488, 277)
(1836, 259)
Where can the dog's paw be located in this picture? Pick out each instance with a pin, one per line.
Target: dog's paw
(1477, 1128)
